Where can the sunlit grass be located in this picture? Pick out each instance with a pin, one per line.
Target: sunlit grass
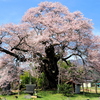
(53, 95)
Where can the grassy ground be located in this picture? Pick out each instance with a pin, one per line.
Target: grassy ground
(51, 95)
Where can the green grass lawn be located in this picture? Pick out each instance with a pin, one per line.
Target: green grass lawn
(51, 95)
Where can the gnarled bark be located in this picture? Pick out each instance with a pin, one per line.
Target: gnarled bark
(50, 67)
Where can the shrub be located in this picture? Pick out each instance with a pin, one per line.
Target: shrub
(25, 79)
(42, 81)
(66, 89)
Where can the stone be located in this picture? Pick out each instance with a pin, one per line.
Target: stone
(30, 88)
(27, 96)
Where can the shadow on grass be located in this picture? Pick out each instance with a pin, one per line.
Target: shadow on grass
(39, 97)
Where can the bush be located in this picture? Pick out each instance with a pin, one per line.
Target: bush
(42, 81)
(25, 79)
(66, 89)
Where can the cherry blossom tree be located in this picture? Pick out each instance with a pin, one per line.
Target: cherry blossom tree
(48, 33)
(9, 72)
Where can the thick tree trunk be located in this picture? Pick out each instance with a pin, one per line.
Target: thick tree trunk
(50, 67)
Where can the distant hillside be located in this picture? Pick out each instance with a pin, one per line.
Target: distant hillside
(77, 62)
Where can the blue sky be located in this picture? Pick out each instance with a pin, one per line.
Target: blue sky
(11, 11)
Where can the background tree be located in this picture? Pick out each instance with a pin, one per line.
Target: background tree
(48, 33)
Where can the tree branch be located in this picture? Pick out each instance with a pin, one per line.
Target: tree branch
(19, 49)
(22, 59)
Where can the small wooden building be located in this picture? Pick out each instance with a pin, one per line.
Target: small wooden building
(76, 86)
